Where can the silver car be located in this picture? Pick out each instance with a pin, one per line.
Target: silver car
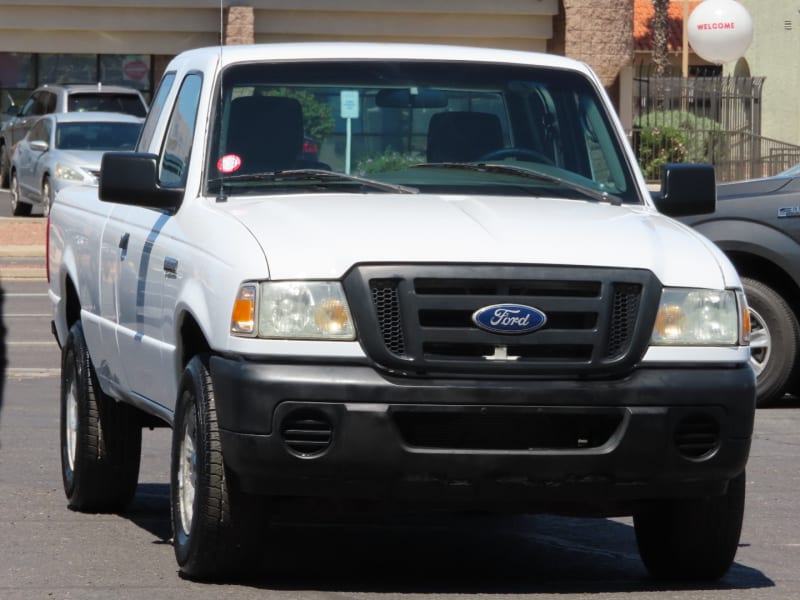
(61, 98)
(63, 149)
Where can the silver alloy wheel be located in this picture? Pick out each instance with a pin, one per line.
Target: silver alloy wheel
(14, 193)
(71, 423)
(187, 478)
(760, 343)
(46, 199)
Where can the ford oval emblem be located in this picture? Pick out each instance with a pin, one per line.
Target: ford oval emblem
(509, 319)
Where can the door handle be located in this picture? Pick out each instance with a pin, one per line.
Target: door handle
(123, 241)
(170, 266)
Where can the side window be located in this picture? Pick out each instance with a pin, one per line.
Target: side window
(49, 100)
(180, 134)
(155, 112)
(604, 156)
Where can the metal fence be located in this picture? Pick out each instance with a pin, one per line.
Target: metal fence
(705, 119)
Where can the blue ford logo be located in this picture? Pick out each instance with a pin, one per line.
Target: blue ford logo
(509, 319)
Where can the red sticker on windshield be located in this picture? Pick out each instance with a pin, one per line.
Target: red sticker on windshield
(229, 163)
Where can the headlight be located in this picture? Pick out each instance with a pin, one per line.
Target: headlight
(68, 173)
(293, 310)
(698, 317)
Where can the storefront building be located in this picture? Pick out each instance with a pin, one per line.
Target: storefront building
(130, 41)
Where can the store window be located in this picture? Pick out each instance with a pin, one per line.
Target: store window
(66, 68)
(21, 73)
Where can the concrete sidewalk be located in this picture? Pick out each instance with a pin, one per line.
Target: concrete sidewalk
(22, 248)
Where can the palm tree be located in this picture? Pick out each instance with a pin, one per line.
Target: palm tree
(660, 36)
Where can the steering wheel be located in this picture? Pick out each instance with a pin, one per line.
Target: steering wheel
(521, 153)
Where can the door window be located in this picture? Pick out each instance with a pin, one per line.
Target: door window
(180, 133)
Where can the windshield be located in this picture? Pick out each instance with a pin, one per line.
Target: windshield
(383, 120)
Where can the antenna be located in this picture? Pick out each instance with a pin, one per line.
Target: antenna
(221, 27)
(221, 193)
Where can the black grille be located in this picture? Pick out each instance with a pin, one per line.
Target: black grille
(307, 433)
(418, 318)
(624, 311)
(697, 436)
(384, 297)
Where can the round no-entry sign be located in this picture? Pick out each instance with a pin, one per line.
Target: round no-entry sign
(135, 70)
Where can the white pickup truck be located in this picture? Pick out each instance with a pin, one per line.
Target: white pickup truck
(416, 276)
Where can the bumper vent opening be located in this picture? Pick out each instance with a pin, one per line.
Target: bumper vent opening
(307, 433)
(697, 436)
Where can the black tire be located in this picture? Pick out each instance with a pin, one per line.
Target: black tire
(5, 167)
(773, 342)
(693, 538)
(216, 528)
(18, 207)
(101, 439)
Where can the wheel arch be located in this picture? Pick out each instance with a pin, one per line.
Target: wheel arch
(72, 306)
(192, 340)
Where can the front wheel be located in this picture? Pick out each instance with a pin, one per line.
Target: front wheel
(47, 197)
(774, 339)
(215, 527)
(101, 439)
(692, 538)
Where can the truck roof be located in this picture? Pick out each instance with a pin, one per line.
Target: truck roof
(371, 51)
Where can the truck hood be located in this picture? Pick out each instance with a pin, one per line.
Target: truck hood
(322, 236)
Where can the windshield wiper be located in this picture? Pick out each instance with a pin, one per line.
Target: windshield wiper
(482, 167)
(319, 175)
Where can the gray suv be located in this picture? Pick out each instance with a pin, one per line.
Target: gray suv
(65, 98)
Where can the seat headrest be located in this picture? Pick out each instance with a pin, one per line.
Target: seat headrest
(266, 132)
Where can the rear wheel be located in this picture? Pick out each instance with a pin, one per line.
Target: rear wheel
(773, 341)
(693, 538)
(101, 439)
(216, 528)
(18, 208)
(5, 167)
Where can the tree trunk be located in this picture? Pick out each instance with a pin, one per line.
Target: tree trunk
(660, 36)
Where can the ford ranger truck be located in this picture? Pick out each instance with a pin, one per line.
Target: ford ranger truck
(466, 299)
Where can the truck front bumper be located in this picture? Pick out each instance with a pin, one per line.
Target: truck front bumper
(350, 431)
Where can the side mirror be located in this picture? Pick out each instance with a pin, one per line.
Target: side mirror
(40, 146)
(686, 189)
(132, 178)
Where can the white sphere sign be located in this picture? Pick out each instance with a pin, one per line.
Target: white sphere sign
(720, 31)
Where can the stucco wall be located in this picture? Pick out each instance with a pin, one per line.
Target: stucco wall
(170, 26)
(773, 54)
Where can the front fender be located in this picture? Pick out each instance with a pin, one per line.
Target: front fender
(755, 239)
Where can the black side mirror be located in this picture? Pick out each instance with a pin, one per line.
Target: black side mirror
(132, 178)
(686, 189)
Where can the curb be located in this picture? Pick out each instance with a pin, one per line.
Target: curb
(23, 274)
(22, 258)
(22, 251)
